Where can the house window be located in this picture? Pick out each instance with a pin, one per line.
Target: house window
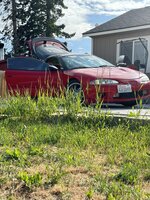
(140, 53)
(126, 49)
(136, 51)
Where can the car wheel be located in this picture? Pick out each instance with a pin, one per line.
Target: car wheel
(75, 90)
(130, 104)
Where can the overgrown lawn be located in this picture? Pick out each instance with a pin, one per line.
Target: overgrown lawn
(55, 149)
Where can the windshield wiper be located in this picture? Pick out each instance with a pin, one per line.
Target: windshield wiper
(103, 66)
(79, 67)
(107, 66)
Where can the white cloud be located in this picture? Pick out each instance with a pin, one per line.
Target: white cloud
(112, 5)
(76, 16)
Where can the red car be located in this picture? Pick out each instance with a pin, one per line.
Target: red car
(52, 67)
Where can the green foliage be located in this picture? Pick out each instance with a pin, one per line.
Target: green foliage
(110, 197)
(33, 150)
(54, 175)
(71, 147)
(147, 176)
(134, 114)
(3, 181)
(128, 174)
(30, 180)
(14, 154)
(20, 107)
(89, 194)
(47, 106)
(35, 17)
(115, 190)
(73, 103)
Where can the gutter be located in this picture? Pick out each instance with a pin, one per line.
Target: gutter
(116, 31)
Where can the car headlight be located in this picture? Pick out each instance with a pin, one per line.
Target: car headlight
(144, 79)
(103, 82)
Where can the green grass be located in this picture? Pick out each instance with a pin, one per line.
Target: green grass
(55, 149)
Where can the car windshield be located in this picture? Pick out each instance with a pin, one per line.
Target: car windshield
(84, 61)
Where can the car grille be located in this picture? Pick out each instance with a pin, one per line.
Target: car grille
(131, 95)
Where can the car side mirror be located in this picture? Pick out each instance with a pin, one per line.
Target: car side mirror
(123, 61)
(52, 68)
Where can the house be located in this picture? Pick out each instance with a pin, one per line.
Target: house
(127, 34)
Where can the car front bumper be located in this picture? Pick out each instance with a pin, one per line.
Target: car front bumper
(109, 93)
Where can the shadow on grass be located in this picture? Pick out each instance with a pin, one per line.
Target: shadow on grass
(94, 121)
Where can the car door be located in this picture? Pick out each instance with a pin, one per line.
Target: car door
(56, 79)
(26, 75)
(30, 75)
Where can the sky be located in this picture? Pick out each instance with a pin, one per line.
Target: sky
(83, 15)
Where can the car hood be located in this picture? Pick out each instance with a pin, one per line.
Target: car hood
(116, 73)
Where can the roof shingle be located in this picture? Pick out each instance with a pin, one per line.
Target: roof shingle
(132, 18)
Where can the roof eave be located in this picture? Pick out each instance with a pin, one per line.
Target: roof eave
(117, 31)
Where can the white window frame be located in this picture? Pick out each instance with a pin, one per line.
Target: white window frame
(92, 46)
(134, 40)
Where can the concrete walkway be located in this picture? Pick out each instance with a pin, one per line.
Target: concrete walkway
(136, 112)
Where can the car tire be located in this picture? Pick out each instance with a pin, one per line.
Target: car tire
(75, 87)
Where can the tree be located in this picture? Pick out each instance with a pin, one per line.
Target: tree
(10, 20)
(31, 18)
(53, 13)
(14, 22)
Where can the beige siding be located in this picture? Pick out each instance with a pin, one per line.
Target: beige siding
(104, 46)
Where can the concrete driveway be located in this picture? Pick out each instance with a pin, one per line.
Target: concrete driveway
(120, 110)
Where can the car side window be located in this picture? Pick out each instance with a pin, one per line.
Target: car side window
(54, 61)
(27, 64)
